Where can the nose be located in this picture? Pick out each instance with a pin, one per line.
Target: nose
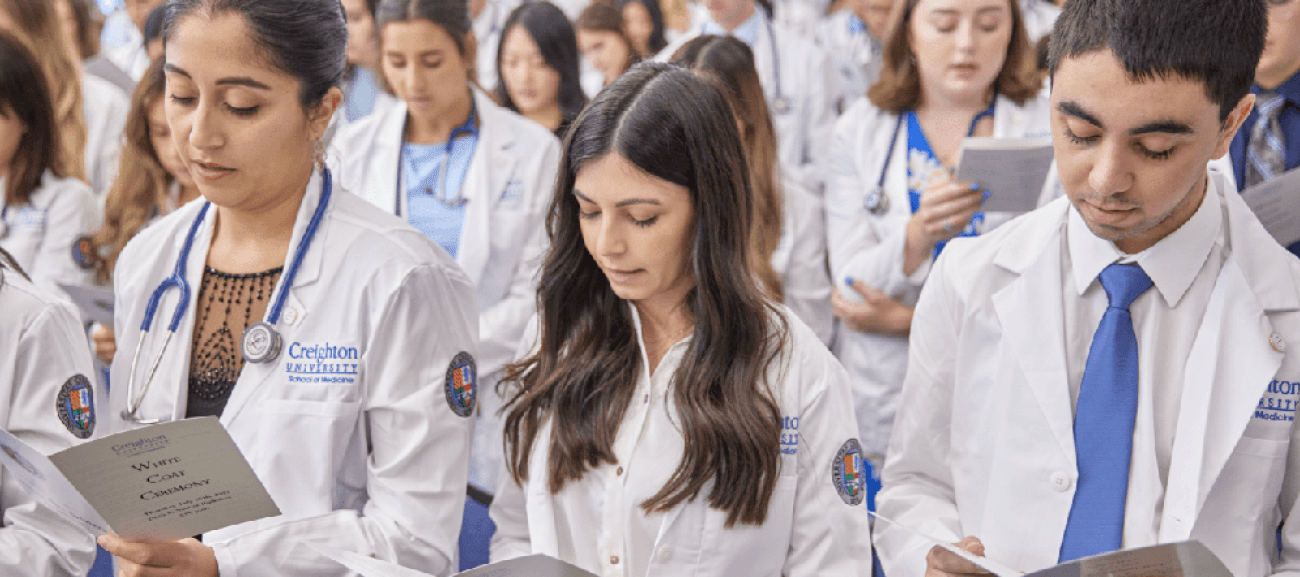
(610, 243)
(412, 78)
(966, 36)
(1110, 174)
(205, 132)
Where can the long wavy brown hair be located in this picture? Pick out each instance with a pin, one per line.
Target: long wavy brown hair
(899, 87)
(728, 64)
(39, 28)
(24, 95)
(140, 190)
(674, 126)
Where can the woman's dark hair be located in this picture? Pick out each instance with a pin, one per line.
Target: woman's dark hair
(450, 15)
(7, 261)
(24, 94)
(140, 190)
(728, 64)
(674, 126)
(601, 16)
(657, 41)
(551, 31)
(1164, 38)
(154, 24)
(87, 40)
(899, 87)
(305, 39)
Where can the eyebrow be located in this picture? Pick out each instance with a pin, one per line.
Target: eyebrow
(1071, 108)
(621, 203)
(230, 81)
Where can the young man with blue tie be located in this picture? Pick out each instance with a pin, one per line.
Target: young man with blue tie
(1112, 371)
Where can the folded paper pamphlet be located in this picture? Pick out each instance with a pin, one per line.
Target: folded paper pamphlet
(530, 566)
(1012, 170)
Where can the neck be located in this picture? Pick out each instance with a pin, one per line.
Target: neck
(731, 21)
(663, 322)
(187, 193)
(251, 239)
(934, 101)
(437, 127)
(549, 116)
(1268, 81)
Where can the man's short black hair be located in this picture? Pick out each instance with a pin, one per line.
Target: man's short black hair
(1216, 42)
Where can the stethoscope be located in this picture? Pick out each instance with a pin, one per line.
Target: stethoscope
(4, 224)
(780, 104)
(469, 128)
(876, 201)
(261, 343)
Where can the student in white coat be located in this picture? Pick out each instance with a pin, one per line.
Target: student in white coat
(48, 401)
(341, 361)
(43, 213)
(854, 36)
(1040, 16)
(799, 80)
(788, 235)
(1118, 368)
(954, 68)
(466, 172)
(672, 419)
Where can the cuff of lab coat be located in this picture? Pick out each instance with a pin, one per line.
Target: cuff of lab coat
(226, 566)
(917, 278)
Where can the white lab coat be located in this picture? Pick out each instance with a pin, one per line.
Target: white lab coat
(869, 247)
(857, 57)
(800, 260)
(502, 244)
(984, 444)
(809, 81)
(1040, 16)
(374, 463)
(488, 30)
(43, 347)
(42, 232)
(105, 108)
(801, 16)
(810, 530)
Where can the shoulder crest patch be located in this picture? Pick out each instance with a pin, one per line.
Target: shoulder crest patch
(76, 406)
(83, 253)
(848, 474)
(462, 384)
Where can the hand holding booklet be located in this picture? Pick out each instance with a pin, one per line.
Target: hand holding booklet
(158, 483)
(1183, 559)
(1013, 170)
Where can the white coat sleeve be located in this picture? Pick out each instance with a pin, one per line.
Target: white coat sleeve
(862, 245)
(417, 467)
(501, 326)
(825, 93)
(917, 482)
(33, 539)
(72, 213)
(808, 282)
(831, 537)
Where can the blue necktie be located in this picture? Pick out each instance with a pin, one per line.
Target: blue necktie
(1265, 152)
(1103, 422)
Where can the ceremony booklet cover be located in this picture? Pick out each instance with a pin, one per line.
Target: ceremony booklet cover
(159, 483)
(95, 303)
(1276, 203)
(1013, 170)
(530, 566)
(1182, 559)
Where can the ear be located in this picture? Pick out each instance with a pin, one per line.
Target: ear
(321, 115)
(1233, 123)
(471, 52)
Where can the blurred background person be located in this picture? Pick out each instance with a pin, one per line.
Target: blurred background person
(788, 235)
(854, 36)
(952, 69)
(362, 90)
(44, 212)
(643, 23)
(489, 20)
(537, 67)
(82, 22)
(130, 55)
(603, 42)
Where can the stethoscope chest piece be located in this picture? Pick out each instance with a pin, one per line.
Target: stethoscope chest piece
(781, 105)
(261, 343)
(877, 202)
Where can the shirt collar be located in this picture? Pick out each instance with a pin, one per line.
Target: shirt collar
(1172, 263)
(746, 32)
(1290, 90)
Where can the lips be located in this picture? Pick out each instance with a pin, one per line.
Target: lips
(621, 276)
(1108, 216)
(209, 171)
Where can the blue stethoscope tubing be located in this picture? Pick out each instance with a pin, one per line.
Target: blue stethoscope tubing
(177, 280)
(440, 194)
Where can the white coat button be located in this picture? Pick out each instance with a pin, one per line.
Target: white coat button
(665, 553)
(1279, 344)
(1061, 481)
(619, 472)
(613, 559)
(291, 315)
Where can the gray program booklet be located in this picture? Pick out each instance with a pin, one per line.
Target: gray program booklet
(1276, 203)
(530, 566)
(158, 483)
(1012, 170)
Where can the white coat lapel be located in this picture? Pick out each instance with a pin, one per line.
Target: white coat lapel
(386, 169)
(1036, 339)
(491, 168)
(1220, 392)
(179, 349)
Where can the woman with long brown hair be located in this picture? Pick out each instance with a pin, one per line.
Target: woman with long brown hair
(151, 181)
(603, 42)
(788, 237)
(43, 211)
(952, 69)
(671, 418)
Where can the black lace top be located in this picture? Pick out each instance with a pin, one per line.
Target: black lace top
(227, 304)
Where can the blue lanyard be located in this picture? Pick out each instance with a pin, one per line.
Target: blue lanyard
(468, 128)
